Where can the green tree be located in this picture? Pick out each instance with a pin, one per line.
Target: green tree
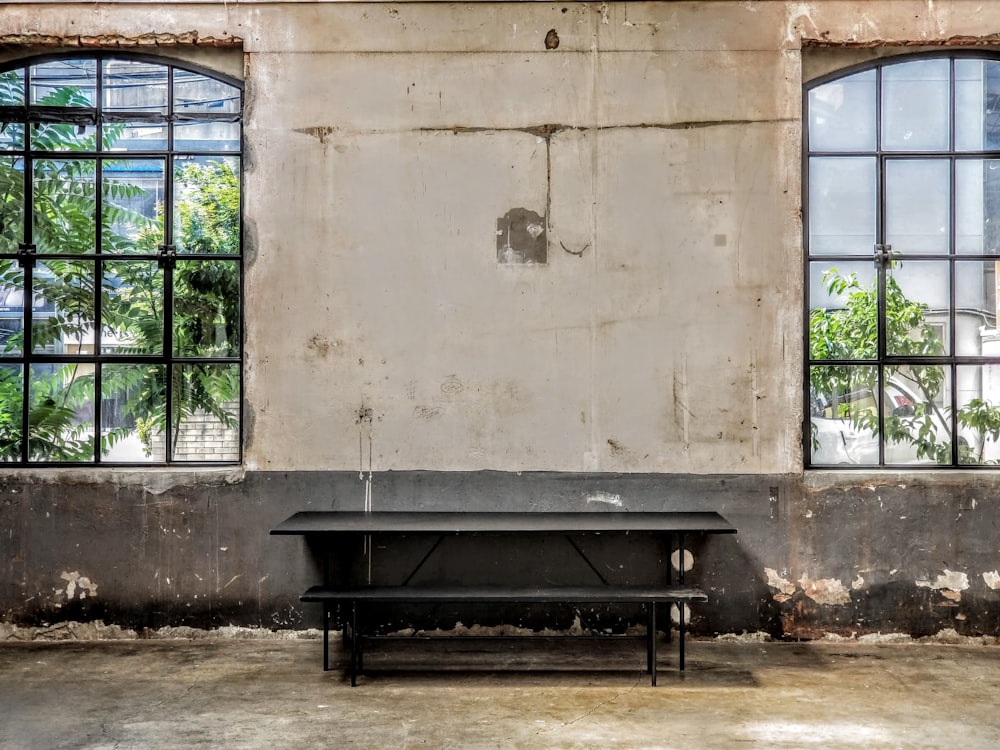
(851, 333)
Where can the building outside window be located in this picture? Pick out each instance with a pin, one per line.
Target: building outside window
(902, 239)
(120, 262)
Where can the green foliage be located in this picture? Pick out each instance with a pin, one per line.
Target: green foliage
(851, 333)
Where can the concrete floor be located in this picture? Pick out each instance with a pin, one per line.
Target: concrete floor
(273, 694)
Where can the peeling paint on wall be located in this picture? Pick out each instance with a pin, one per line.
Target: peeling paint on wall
(521, 238)
(77, 586)
(950, 584)
(606, 498)
(825, 590)
(785, 587)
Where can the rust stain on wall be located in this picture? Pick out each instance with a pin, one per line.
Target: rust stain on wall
(953, 41)
(187, 38)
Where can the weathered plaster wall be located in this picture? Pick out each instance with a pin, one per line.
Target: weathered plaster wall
(655, 356)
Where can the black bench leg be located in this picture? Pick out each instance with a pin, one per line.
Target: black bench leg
(680, 634)
(355, 640)
(326, 637)
(651, 638)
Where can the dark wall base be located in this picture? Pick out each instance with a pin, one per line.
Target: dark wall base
(849, 558)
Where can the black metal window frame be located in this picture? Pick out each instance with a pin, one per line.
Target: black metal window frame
(883, 256)
(166, 255)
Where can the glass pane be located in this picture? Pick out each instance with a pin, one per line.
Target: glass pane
(133, 196)
(12, 88)
(915, 106)
(842, 200)
(206, 308)
(65, 206)
(132, 308)
(11, 395)
(843, 422)
(133, 407)
(11, 308)
(842, 114)
(11, 136)
(63, 136)
(978, 392)
(975, 307)
(977, 205)
(133, 86)
(207, 136)
(206, 413)
(64, 83)
(11, 203)
(917, 422)
(207, 205)
(917, 309)
(61, 413)
(63, 321)
(196, 93)
(977, 105)
(143, 136)
(842, 315)
(918, 205)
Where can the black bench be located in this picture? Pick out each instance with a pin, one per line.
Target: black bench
(353, 597)
(339, 531)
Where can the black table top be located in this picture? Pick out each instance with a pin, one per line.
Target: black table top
(446, 522)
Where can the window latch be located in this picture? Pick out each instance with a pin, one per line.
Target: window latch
(883, 255)
(26, 255)
(166, 255)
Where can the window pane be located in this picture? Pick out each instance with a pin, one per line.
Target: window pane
(133, 407)
(978, 391)
(11, 308)
(61, 413)
(843, 423)
(133, 194)
(918, 205)
(11, 136)
(65, 205)
(977, 206)
(64, 83)
(63, 136)
(842, 200)
(206, 413)
(64, 322)
(842, 315)
(915, 105)
(207, 205)
(207, 136)
(206, 308)
(11, 395)
(142, 136)
(917, 309)
(917, 422)
(196, 93)
(135, 86)
(12, 88)
(976, 308)
(11, 203)
(977, 105)
(132, 308)
(842, 114)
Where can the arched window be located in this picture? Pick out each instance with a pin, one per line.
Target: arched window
(902, 237)
(120, 261)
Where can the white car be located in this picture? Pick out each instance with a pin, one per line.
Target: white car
(841, 440)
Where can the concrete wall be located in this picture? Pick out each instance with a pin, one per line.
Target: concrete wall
(655, 356)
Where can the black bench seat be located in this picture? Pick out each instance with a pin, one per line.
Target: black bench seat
(648, 596)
